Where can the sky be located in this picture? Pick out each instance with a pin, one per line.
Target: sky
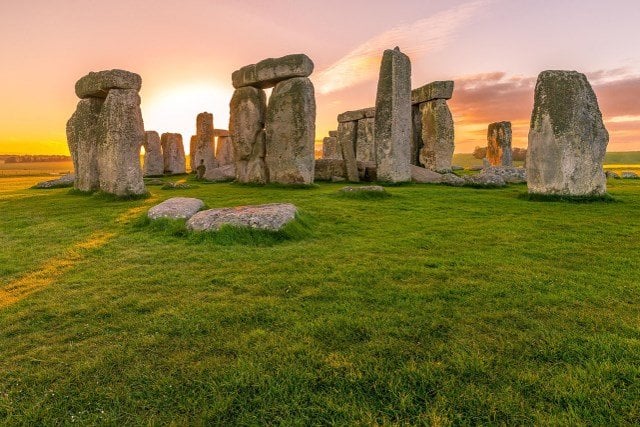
(186, 50)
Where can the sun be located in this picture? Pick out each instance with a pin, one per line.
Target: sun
(175, 109)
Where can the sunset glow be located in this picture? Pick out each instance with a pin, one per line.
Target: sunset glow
(186, 52)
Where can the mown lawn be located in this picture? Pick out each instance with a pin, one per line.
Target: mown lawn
(435, 306)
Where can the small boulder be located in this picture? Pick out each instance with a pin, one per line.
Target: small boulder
(62, 182)
(485, 179)
(427, 176)
(176, 208)
(510, 174)
(630, 175)
(221, 174)
(364, 189)
(273, 217)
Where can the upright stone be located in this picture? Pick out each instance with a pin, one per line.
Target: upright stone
(347, 134)
(365, 145)
(122, 132)
(204, 153)
(331, 148)
(437, 136)
(248, 108)
(153, 160)
(173, 153)
(499, 144)
(416, 134)
(567, 138)
(393, 118)
(224, 151)
(83, 140)
(290, 132)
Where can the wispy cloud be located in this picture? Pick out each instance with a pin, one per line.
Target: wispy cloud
(415, 39)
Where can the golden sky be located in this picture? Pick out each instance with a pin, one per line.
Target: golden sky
(186, 50)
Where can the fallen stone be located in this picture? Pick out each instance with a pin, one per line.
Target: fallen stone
(393, 118)
(173, 153)
(437, 136)
(121, 136)
(153, 160)
(290, 132)
(271, 217)
(248, 109)
(567, 137)
(62, 182)
(176, 208)
(484, 179)
(426, 176)
(271, 71)
(177, 186)
(509, 174)
(364, 189)
(154, 181)
(221, 174)
(499, 144)
(98, 84)
(432, 91)
(629, 175)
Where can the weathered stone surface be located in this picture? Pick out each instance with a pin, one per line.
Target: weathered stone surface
(629, 175)
(153, 160)
(272, 217)
(364, 189)
(224, 151)
(192, 152)
(499, 144)
(393, 118)
(347, 134)
(98, 84)
(326, 169)
(456, 168)
(204, 144)
(510, 174)
(331, 148)
(367, 171)
(221, 132)
(427, 176)
(352, 116)
(83, 136)
(290, 132)
(222, 173)
(248, 109)
(432, 91)
(416, 134)
(437, 136)
(173, 153)
(365, 145)
(485, 179)
(333, 134)
(567, 138)
(62, 182)
(176, 208)
(269, 72)
(121, 136)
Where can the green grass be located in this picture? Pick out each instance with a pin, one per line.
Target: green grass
(437, 306)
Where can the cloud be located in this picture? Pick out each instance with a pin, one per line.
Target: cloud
(415, 39)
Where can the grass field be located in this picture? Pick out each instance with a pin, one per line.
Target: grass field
(434, 306)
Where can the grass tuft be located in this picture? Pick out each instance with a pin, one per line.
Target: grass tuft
(363, 195)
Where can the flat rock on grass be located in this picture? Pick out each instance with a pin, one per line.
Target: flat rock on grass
(364, 189)
(427, 176)
(485, 179)
(510, 174)
(273, 217)
(176, 208)
(64, 181)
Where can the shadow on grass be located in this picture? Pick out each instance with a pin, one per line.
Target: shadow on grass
(532, 197)
(296, 230)
(277, 186)
(362, 195)
(100, 195)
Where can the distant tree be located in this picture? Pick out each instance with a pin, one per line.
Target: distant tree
(12, 159)
(480, 152)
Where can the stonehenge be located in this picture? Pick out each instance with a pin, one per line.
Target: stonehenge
(432, 140)
(274, 142)
(105, 133)
(330, 147)
(355, 139)
(173, 153)
(499, 144)
(567, 137)
(224, 148)
(153, 159)
(203, 143)
(392, 131)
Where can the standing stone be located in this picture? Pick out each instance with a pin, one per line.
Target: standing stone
(393, 118)
(204, 150)
(347, 134)
(437, 136)
(153, 160)
(192, 152)
(499, 144)
(365, 145)
(416, 134)
(122, 135)
(246, 125)
(224, 151)
(173, 152)
(567, 138)
(331, 148)
(83, 140)
(290, 132)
